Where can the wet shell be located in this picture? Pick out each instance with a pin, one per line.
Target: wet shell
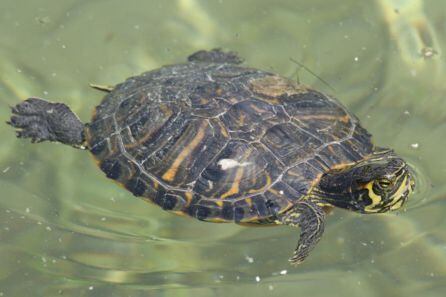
(221, 142)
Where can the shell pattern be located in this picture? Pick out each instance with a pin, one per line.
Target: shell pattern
(221, 142)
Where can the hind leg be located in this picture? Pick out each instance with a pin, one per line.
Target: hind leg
(41, 120)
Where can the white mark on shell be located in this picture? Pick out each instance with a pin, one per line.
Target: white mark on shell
(226, 164)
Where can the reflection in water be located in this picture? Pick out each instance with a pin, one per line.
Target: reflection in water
(66, 230)
(409, 25)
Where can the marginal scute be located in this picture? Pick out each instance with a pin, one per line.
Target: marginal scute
(98, 142)
(227, 211)
(170, 202)
(111, 168)
(239, 214)
(259, 207)
(200, 212)
(219, 141)
(136, 186)
(98, 148)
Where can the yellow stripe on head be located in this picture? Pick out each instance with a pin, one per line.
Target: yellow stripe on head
(376, 199)
(400, 193)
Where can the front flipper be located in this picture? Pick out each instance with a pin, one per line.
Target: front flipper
(311, 219)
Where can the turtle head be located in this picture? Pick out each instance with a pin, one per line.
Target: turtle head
(380, 183)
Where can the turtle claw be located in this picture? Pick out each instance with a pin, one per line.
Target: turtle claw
(30, 127)
(17, 121)
(28, 122)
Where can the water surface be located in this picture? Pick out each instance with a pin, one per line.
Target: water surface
(68, 231)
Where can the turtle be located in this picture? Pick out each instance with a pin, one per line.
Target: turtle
(221, 142)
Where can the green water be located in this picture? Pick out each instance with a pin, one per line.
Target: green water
(65, 230)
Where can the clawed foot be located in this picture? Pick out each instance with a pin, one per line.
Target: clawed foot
(29, 120)
(41, 120)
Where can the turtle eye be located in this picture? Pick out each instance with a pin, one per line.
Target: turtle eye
(384, 183)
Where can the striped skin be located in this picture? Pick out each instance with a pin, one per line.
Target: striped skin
(221, 142)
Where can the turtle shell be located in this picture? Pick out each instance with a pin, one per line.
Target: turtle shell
(221, 142)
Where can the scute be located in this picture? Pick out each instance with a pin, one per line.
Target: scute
(221, 142)
(251, 169)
